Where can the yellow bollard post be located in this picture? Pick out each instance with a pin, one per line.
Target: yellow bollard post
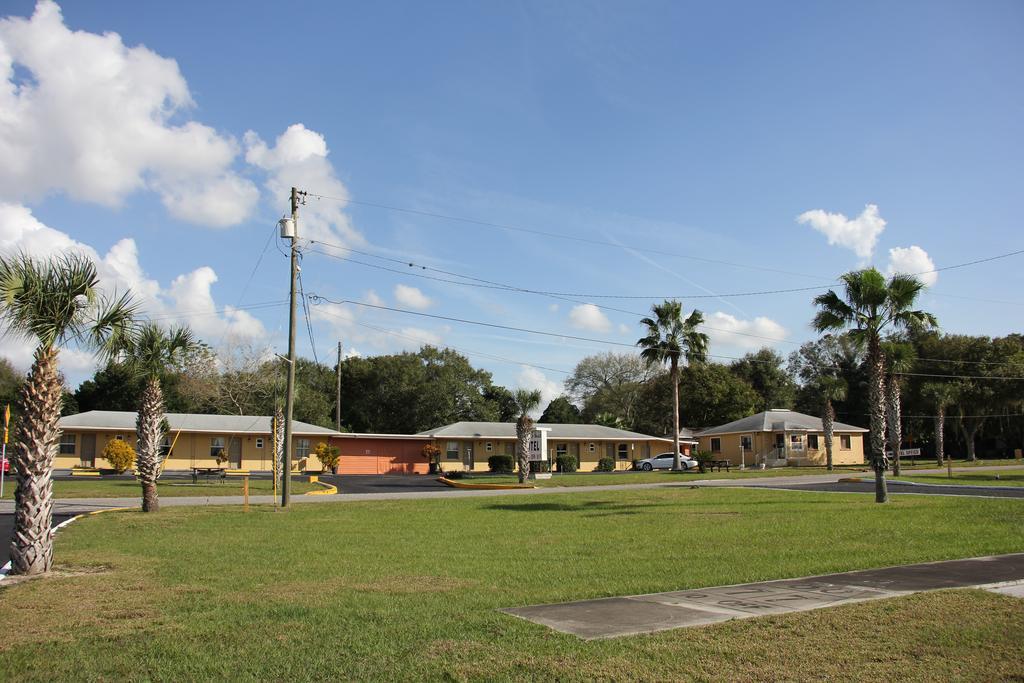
(245, 493)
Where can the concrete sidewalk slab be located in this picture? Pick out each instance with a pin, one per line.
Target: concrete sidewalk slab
(630, 615)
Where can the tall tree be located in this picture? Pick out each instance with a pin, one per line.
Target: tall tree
(669, 339)
(714, 395)
(51, 303)
(766, 372)
(560, 411)
(940, 395)
(830, 388)
(899, 358)
(871, 305)
(526, 401)
(610, 383)
(150, 352)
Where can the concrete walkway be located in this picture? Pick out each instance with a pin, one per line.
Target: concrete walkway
(611, 617)
(60, 504)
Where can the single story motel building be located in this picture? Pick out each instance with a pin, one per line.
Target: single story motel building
(782, 437)
(196, 441)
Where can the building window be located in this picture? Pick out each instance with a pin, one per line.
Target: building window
(623, 451)
(561, 449)
(119, 437)
(259, 442)
(796, 443)
(452, 450)
(716, 445)
(302, 448)
(747, 442)
(488, 447)
(216, 447)
(67, 444)
(165, 447)
(591, 448)
(844, 441)
(812, 442)
(510, 448)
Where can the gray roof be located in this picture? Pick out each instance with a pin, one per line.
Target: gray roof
(188, 422)
(686, 434)
(507, 430)
(777, 420)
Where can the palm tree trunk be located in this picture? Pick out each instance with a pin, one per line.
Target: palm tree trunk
(677, 461)
(940, 447)
(35, 447)
(827, 417)
(279, 443)
(876, 404)
(524, 430)
(893, 410)
(150, 434)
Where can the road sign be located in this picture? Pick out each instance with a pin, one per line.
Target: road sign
(539, 444)
(906, 453)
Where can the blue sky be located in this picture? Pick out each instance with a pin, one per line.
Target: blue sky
(701, 129)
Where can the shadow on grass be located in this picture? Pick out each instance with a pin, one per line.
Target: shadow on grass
(597, 508)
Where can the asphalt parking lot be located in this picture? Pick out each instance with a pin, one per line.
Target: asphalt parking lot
(384, 483)
(7, 526)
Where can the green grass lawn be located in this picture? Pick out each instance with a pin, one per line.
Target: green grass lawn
(972, 478)
(408, 589)
(90, 487)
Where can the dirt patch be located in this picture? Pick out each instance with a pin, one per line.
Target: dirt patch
(58, 573)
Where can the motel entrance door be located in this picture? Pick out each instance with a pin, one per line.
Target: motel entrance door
(88, 456)
(467, 458)
(235, 452)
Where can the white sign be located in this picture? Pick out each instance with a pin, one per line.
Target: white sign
(905, 452)
(539, 445)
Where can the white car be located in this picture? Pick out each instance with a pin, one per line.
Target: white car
(664, 461)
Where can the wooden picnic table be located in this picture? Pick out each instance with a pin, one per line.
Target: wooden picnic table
(712, 464)
(207, 472)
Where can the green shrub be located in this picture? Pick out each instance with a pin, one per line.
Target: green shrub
(503, 464)
(539, 466)
(566, 463)
(119, 454)
(606, 465)
(328, 456)
(636, 463)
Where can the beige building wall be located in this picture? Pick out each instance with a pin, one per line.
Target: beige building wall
(800, 453)
(192, 450)
(457, 453)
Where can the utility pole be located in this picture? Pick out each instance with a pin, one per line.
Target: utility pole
(289, 399)
(337, 396)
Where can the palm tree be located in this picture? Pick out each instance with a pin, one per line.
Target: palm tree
(941, 395)
(50, 303)
(899, 358)
(830, 388)
(669, 338)
(872, 305)
(150, 352)
(525, 400)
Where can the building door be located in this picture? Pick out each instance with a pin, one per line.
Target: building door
(88, 456)
(467, 457)
(235, 452)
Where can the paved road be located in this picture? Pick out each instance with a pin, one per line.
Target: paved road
(899, 488)
(385, 483)
(7, 527)
(632, 614)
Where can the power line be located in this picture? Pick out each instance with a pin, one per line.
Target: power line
(562, 236)
(309, 325)
(218, 311)
(512, 288)
(489, 284)
(923, 374)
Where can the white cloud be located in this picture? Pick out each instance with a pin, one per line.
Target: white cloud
(858, 235)
(589, 317)
(553, 308)
(93, 119)
(187, 300)
(912, 260)
(532, 378)
(411, 297)
(623, 328)
(299, 158)
(729, 330)
(373, 298)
